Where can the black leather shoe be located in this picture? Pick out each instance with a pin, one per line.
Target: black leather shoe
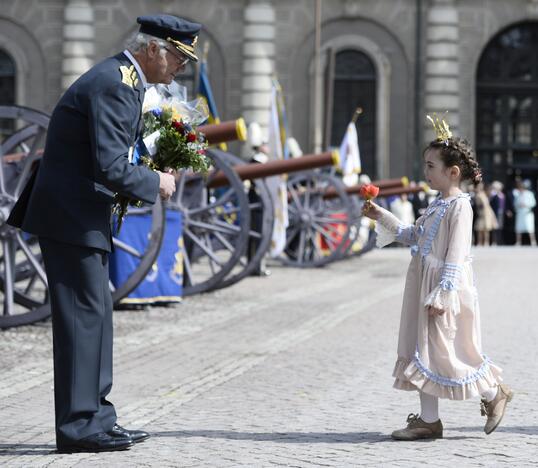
(100, 442)
(136, 436)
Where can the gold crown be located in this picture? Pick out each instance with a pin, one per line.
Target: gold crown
(441, 128)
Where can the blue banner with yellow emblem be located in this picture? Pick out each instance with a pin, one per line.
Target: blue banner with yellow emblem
(164, 282)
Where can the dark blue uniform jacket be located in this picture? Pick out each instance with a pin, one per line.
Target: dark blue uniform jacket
(86, 159)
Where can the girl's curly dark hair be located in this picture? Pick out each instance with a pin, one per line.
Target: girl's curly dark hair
(458, 152)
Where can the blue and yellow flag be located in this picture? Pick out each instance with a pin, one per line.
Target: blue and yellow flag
(282, 117)
(204, 91)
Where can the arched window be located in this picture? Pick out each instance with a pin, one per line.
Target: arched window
(353, 86)
(507, 104)
(7, 90)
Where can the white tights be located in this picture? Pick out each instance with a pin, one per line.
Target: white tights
(490, 394)
(429, 405)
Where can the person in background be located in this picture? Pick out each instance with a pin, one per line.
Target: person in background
(497, 200)
(524, 203)
(258, 154)
(420, 203)
(402, 208)
(486, 221)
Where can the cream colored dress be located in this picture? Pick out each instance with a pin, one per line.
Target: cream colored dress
(439, 355)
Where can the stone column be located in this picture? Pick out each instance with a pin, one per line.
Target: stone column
(78, 44)
(442, 65)
(258, 62)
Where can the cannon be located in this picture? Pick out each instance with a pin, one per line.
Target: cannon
(314, 220)
(217, 246)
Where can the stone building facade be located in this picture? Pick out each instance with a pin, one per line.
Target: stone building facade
(397, 59)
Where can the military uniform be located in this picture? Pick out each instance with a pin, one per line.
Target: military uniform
(68, 206)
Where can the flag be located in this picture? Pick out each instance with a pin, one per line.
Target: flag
(204, 92)
(282, 118)
(350, 157)
(277, 184)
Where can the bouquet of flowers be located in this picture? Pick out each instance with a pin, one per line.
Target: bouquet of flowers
(170, 140)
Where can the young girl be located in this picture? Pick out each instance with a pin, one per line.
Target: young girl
(439, 347)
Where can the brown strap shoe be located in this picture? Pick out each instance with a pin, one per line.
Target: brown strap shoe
(418, 429)
(495, 408)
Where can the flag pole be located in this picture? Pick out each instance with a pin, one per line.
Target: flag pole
(205, 52)
(318, 136)
(356, 114)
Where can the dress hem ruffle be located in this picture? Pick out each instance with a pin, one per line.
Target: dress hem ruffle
(408, 376)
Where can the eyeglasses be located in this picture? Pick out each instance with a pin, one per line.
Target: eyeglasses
(181, 61)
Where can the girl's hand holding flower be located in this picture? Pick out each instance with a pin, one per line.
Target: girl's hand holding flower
(433, 311)
(370, 209)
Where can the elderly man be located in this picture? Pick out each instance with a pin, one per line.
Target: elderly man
(91, 133)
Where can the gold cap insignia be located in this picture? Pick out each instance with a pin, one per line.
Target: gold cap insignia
(441, 128)
(129, 76)
(185, 49)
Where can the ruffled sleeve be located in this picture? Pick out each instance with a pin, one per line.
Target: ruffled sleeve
(445, 294)
(390, 229)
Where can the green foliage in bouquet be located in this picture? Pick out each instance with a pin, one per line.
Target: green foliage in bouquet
(178, 147)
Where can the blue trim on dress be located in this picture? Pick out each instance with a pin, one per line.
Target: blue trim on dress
(432, 232)
(450, 276)
(406, 234)
(448, 382)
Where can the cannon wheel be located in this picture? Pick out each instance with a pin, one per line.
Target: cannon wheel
(23, 281)
(261, 209)
(215, 226)
(22, 277)
(369, 242)
(319, 228)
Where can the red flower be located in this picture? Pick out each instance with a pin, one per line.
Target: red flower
(369, 191)
(177, 125)
(201, 152)
(191, 137)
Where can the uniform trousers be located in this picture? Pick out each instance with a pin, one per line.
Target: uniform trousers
(81, 304)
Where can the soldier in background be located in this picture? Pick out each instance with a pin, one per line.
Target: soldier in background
(259, 152)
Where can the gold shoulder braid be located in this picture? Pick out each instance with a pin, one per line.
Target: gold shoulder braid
(441, 128)
(129, 76)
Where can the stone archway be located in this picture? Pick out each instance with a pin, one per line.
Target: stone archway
(394, 111)
(380, 163)
(30, 69)
(507, 103)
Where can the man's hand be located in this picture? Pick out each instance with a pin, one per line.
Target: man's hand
(167, 185)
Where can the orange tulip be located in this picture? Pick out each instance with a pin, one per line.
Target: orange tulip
(369, 191)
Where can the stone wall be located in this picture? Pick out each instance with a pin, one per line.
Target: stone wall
(250, 37)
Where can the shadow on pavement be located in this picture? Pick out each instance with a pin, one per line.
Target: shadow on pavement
(26, 449)
(286, 437)
(530, 430)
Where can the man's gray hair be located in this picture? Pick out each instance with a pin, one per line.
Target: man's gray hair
(140, 41)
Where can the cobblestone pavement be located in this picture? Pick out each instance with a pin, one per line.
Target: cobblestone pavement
(289, 370)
